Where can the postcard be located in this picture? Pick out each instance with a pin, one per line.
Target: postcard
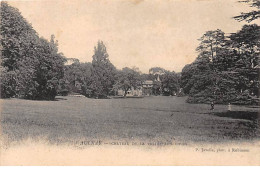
(130, 82)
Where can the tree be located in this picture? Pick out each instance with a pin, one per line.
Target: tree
(49, 69)
(246, 46)
(17, 37)
(77, 73)
(8, 83)
(156, 70)
(250, 16)
(170, 83)
(31, 64)
(126, 79)
(211, 44)
(225, 70)
(187, 75)
(102, 73)
(199, 78)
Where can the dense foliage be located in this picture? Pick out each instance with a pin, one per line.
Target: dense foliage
(102, 73)
(126, 79)
(226, 69)
(30, 66)
(77, 78)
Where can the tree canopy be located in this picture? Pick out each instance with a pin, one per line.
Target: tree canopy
(102, 73)
(31, 66)
(126, 79)
(225, 69)
(252, 15)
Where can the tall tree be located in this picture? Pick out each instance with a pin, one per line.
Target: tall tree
(211, 44)
(246, 46)
(103, 72)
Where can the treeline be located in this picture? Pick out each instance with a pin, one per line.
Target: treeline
(101, 79)
(225, 71)
(227, 67)
(32, 67)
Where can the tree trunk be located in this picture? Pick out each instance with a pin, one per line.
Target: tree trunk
(125, 93)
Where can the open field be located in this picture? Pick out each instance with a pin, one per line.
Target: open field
(155, 118)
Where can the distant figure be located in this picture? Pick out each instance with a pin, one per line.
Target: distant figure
(212, 106)
(229, 107)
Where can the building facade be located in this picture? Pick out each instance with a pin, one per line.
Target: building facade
(131, 92)
(147, 87)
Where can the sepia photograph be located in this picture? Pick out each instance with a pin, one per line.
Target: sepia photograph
(129, 82)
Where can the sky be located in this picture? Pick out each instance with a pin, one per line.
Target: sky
(140, 33)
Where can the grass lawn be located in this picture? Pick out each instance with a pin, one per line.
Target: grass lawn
(156, 118)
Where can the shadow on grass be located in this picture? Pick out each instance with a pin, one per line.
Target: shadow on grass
(58, 99)
(239, 115)
(48, 100)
